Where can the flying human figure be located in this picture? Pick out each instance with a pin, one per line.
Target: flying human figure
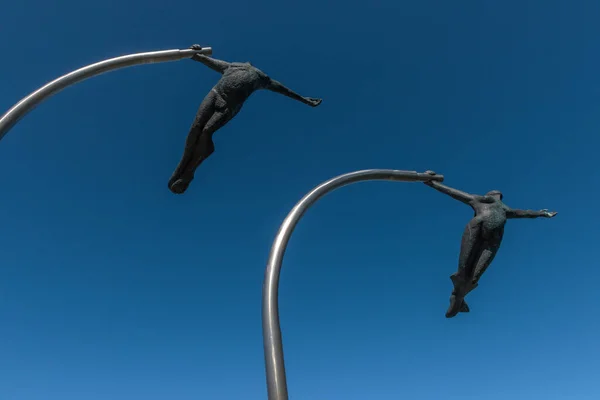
(481, 239)
(221, 105)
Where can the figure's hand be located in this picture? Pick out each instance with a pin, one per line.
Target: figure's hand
(548, 214)
(196, 47)
(313, 102)
(429, 172)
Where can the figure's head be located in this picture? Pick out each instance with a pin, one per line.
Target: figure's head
(495, 194)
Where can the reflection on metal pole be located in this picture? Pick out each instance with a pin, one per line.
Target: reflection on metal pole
(273, 345)
(28, 103)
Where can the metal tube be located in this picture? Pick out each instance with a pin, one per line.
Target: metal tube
(273, 345)
(28, 103)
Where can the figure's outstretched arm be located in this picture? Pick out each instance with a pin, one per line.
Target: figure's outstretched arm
(212, 63)
(510, 213)
(454, 193)
(277, 87)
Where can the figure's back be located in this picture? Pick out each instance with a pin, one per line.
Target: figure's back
(491, 211)
(239, 81)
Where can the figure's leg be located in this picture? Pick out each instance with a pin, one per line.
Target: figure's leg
(470, 249)
(205, 112)
(203, 149)
(487, 256)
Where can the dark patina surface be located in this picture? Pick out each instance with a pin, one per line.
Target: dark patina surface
(221, 105)
(481, 239)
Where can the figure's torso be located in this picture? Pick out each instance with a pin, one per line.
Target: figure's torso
(239, 81)
(492, 214)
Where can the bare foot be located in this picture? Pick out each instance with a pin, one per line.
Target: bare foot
(179, 186)
(453, 309)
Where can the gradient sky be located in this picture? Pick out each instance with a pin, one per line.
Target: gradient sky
(113, 288)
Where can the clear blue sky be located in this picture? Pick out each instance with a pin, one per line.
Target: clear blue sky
(113, 288)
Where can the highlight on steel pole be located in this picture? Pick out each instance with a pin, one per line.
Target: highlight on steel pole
(481, 241)
(28, 103)
(272, 340)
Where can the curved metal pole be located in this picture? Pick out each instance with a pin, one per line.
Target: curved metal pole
(273, 345)
(28, 103)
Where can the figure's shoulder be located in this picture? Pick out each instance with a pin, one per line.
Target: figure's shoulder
(257, 70)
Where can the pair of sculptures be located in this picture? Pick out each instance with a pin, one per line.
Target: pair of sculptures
(481, 238)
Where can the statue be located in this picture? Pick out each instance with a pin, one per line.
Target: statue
(481, 239)
(221, 105)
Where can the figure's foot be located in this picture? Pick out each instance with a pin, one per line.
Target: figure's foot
(454, 308)
(180, 180)
(177, 174)
(179, 186)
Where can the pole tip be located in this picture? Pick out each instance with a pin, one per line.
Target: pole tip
(206, 51)
(430, 175)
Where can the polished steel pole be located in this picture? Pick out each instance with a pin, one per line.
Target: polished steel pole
(273, 345)
(28, 103)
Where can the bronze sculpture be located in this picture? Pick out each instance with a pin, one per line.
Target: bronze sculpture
(221, 105)
(481, 239)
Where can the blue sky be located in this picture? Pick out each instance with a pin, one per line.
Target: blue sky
(113, 288)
